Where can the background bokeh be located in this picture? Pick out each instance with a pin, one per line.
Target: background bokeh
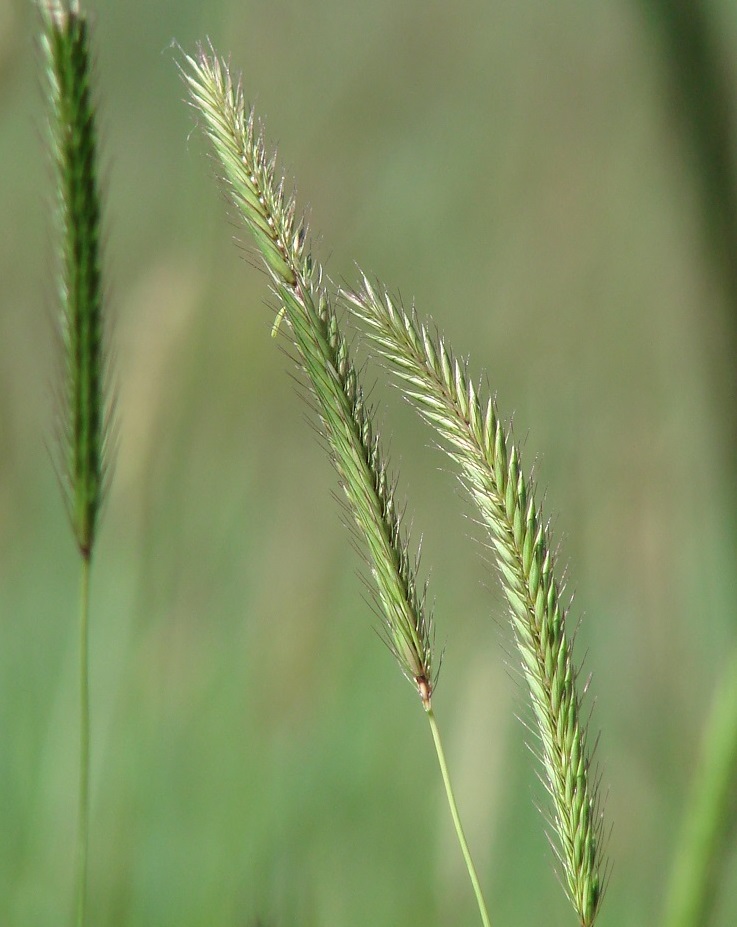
(541, 178)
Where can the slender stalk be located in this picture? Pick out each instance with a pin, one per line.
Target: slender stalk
(84, 416)
(84, 743)
(709, 816)
(457, 819)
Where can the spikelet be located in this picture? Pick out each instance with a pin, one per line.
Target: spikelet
(491, 471)
(258, 193)
(84, 416)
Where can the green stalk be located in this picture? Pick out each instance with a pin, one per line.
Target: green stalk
(84, 744)
(457, 819)
(82, 447)
(709, 816)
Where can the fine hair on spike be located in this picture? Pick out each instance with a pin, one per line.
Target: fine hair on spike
(251, 178)
(305, 307)
(491, 471)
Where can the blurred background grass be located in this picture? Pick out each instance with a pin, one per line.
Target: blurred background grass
(527, 172)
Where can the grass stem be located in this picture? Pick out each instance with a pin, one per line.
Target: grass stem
(83, 419)
(84, 743)
(457, 819)
(709, 816)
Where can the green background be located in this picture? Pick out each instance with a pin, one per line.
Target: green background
(529, 173)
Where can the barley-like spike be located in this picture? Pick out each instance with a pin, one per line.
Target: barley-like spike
(490, 470)
(85, 415)
(258, 192)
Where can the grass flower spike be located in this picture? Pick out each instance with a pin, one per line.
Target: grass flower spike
(491, 470)
(304, 301)
(305, 304)
(84, 415)
(74, 150)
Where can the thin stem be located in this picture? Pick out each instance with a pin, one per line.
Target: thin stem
(457, 819)
(710, 815)
(84, 744)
